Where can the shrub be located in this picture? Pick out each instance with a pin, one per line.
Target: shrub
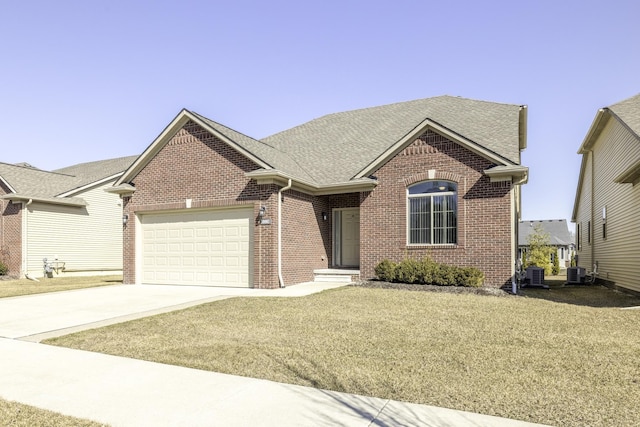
(409, 271)
(386, 270)
(428, 272)
(3, 268)
(555, 267)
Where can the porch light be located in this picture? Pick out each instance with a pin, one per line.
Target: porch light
(125, 219)
(262, 211)
(324, 216)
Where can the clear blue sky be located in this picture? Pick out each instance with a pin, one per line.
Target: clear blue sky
(90, 80)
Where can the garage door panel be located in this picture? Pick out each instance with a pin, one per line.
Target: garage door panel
(197, 248)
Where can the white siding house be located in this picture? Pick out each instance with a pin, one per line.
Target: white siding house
(65, 216)
(608, 197)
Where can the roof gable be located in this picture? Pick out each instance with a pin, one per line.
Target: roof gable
(627, 112)
(262, 154)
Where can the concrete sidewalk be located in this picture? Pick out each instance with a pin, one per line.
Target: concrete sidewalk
(125, 392)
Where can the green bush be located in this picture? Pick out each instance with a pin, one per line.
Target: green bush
(428, 272)
(3, 268)
(386, 270)
(555, 267)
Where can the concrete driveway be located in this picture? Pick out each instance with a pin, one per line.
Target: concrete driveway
(41, 316)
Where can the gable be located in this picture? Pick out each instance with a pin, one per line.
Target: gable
(192, 163)
(618, 125)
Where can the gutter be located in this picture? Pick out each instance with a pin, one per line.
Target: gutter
(280, 279)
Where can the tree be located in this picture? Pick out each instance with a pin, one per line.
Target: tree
(555, 268)
(539, 253)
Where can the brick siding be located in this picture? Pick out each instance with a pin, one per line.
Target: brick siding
(484, 210)
(11, 234)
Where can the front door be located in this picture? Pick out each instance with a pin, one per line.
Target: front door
(347, 237)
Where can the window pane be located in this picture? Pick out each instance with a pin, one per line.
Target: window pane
(433, 213)
(419, 220)
(432, 187)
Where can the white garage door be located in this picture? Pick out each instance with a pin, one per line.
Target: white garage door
(197, 248)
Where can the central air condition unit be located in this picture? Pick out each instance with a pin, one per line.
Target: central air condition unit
(535, 276)
(575, 275)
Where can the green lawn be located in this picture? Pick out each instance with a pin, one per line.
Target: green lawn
(526, 358)
(13, 288)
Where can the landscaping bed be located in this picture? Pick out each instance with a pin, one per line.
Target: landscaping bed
(379, 284)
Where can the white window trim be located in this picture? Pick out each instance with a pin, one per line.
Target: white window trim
(408, 215)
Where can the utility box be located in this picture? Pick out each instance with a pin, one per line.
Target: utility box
(535, 276)
(576, 275)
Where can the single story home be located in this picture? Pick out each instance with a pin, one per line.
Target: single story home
(559, 238)
(65, 216)
(607, 199)
(438, 177)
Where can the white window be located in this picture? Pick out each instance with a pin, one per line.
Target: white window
(433, 213)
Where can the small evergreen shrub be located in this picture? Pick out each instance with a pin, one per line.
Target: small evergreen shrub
(386, 270)
(428, 272)
(555, 267)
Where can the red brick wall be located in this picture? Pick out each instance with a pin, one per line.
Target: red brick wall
(306, 237)
(10, 233)
(11, 236)
(198, 166)
(484, 211)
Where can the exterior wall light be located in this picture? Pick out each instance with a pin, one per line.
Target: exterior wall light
(262, 210)
(125, 219)
(324, 216)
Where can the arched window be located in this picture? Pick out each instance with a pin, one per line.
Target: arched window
(433, 213)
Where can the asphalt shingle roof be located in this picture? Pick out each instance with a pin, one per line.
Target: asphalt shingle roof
(269, 154)
(29, 181)
(335, 147)
(556, 228)
(629, 112)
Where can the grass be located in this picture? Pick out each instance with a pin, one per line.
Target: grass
(18, 415)
(525, 358)
(13, 288)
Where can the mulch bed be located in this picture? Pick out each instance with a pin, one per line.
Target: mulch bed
(432, 288)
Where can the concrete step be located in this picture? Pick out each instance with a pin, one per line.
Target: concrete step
(336, 275)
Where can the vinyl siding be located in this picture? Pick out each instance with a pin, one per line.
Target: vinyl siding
(618, 255)
(584, 216)
(87, 239)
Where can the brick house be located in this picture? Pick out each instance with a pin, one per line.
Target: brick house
(441, 176)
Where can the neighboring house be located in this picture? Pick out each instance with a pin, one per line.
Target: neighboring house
(439, 177)
(64, 215)
(559, 238)
(608, 197)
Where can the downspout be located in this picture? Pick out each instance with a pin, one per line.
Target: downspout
(25, 235)
(514, 284)
(280, 279)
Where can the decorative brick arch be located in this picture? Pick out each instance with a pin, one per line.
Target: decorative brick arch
(437, 175)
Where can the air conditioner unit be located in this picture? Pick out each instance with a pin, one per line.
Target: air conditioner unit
(575, 275)
(535, 276)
